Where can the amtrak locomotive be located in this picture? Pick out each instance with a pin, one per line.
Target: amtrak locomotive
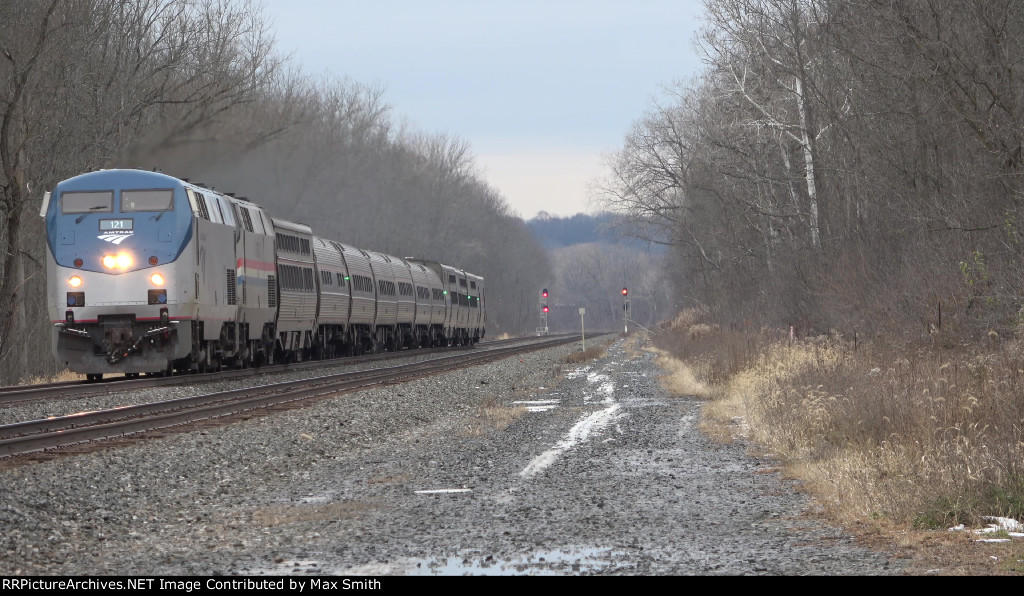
(148, 273)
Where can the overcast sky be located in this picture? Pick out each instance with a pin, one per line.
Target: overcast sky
(542, 90)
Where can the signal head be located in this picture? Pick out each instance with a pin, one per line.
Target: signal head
(544, 293)
(625, 291)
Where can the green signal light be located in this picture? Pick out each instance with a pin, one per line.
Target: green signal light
(446, 292)
(346, 278)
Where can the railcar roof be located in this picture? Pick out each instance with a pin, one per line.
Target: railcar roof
(291, 225)
(104, 179)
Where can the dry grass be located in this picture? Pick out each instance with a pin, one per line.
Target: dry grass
(399, 479)
(490, 415)
(585, 355)
(61, 377)
(682, 378)
(915, 435)
(279, 515)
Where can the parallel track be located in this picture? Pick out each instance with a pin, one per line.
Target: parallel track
(69, 389)
(41, 435)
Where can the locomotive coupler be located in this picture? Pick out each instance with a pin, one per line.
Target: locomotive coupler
(119, 355)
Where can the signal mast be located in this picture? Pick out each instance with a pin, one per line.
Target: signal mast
(543, 329)
(625, 310)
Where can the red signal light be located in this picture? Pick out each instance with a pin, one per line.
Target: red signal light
(625, 291)
(544, 293)
(545, 308)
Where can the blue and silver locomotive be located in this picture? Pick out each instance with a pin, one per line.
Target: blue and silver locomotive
(151, 273)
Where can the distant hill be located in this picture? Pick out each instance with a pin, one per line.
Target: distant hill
(559, 232)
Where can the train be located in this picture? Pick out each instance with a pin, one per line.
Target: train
(149, 273)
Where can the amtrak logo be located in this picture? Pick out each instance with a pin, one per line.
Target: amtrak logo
(115, 237)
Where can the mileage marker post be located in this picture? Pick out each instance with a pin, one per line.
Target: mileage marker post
(583, 332)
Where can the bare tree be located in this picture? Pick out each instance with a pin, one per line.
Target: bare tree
(86, 83)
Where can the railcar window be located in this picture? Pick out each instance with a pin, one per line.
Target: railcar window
(289, 243)
(437, 294)
(472, 285)
(451, 279)
(297, 279)
(404, 288)
(87, 202)
(362, 284)
(422, 293)
(462, 282)
(147, 200)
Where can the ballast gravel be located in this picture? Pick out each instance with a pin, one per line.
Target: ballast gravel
(527, 466)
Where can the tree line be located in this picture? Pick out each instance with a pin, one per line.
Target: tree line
(196, 89)
(852, 164)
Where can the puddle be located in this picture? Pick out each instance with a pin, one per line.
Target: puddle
(290, 567)
(568, 561)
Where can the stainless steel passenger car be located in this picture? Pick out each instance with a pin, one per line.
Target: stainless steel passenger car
(464, 303)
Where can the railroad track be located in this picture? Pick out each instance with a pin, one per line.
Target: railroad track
(89, 427)
(75, 389)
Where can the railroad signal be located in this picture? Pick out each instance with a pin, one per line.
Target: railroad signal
(625, 291)
(544, 293)
(545, 308)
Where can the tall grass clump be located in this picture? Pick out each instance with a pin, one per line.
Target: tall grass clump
(921, 434)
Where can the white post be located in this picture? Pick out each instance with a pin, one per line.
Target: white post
(583, 331)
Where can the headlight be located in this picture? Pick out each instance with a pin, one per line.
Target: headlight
(75, 281)
(157, 279)
(121, 261)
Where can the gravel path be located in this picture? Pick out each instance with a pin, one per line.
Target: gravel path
(596, 471)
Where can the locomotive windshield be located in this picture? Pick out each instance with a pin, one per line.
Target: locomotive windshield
(87, 202)
(147, 200)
